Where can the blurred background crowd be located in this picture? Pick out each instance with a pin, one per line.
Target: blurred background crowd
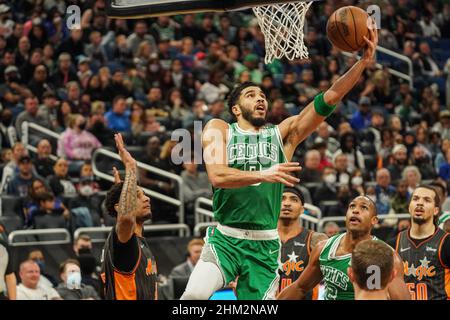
(147, 78)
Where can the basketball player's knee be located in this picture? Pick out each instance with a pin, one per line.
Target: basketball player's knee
(196, 293)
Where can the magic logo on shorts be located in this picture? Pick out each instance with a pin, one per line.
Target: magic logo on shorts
(421, 271)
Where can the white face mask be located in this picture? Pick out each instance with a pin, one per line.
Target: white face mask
(330, 178)
(73, 280)
(372, 197)
(86, 190)
(357, 181)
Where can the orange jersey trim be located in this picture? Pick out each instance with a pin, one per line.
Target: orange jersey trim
(447, 283)
(439, 251)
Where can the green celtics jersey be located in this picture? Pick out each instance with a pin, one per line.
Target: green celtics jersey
(334, 270)
(254, 207)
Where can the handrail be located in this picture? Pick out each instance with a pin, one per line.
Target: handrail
(35, 232)
(26, 134)
(199, 226)
(176, 202)
(184, 229)
(408, 77)
(380, 218)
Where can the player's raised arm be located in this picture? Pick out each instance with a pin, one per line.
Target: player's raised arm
(222, 176)
(126, 219)
(295, 129)
(397, 288)
(309, 278)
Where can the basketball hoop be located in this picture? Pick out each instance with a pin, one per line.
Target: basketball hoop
(282, 26)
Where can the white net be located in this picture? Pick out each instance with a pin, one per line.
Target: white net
(282, 26)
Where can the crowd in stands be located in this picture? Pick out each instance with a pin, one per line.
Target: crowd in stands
(147, 78)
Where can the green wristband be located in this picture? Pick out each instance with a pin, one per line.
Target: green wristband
(321, 107)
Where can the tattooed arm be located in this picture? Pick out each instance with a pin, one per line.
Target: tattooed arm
(126, 219)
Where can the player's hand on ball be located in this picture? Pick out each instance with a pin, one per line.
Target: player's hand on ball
(125, 156)
(281, 173)
(372, 42)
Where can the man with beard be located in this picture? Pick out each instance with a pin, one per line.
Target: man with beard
(400, 155)
(296, 241)
(330, 259)
(425, 248)
(248, 164)
(128, 265)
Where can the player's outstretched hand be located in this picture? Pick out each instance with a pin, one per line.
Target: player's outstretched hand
(372, 42)
(125, 156)
(281, 173)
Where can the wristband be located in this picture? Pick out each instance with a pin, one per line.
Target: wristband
(321, 107)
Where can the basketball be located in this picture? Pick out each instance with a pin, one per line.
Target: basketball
(347, 27)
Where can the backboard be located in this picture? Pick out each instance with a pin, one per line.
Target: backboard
(133, 9)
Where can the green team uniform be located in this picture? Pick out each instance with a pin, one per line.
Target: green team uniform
(246, 242)
(334, 270)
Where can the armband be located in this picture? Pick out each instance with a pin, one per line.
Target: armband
(321, 107)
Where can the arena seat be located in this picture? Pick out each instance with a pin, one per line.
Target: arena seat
(10, 206)
(11, 223)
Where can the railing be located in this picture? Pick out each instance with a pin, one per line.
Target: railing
(38, 232)
(205, 217)
(176, 202)
(184, 230)
(408, 77)
(382, 217)
(26, 126)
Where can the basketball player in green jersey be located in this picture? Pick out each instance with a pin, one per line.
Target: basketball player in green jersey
(330, 259)
(248, 164)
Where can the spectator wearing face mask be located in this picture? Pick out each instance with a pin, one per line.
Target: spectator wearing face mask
(89, 266)
(75, 143)
(327, 191)
(71, 287)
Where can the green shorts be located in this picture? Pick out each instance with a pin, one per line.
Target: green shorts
(247, 254)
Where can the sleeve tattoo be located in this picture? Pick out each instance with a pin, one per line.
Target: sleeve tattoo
(128, 196)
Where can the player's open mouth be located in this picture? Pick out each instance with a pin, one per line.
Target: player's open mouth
(260, 107)
(354, 220)
(419, 211)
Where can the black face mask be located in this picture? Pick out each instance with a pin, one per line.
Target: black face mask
(88, 262)
(13, 79)
(82, 126)
(6, 121)
(98, 125)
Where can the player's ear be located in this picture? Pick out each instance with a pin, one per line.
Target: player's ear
(236, 110)
(393, 275)
(374, 220)
(350, 274)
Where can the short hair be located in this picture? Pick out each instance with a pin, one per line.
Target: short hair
(25, 262)
(117, 98)
(369, 253)
(112, 198)
(235, 94)
(82, 236)
(411, 168)
(437, 201)
(195, 242)
(45, 196)
(62, 265)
